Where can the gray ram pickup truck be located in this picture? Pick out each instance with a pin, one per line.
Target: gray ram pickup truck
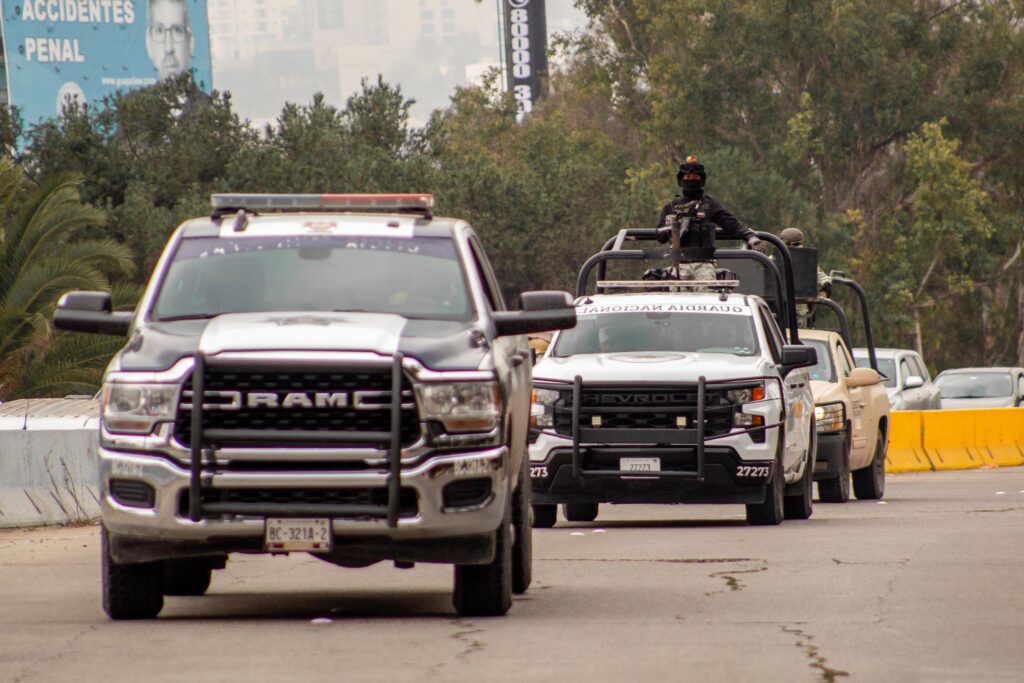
(331, 374)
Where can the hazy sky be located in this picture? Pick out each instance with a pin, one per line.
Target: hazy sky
(268, 52)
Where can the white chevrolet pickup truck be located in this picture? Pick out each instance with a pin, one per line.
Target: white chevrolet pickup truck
(673, 397)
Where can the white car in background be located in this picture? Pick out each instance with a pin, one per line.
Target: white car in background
(907, 381)
(981, 387)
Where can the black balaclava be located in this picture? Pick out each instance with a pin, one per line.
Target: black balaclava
(691, 177)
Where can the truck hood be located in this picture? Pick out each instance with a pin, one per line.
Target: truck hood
(439, 345)
(826, 392)
(649, 367)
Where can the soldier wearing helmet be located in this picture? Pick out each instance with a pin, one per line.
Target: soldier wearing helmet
(794, 237)
(705, 212)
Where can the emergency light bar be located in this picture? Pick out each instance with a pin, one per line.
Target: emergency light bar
(389, 203)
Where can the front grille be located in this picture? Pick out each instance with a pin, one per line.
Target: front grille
(353, 401)
(646, 408)
(307, 498)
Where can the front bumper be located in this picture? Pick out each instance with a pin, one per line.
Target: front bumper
(736, 470)
(431, 533)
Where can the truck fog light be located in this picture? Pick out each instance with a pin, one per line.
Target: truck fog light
(746, 420)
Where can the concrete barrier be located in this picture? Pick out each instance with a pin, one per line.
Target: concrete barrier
(999, 434)
(906, 453)
(48, 462)
(955, 439)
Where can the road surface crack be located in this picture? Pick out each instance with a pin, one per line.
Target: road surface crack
(805, 641)
(695, 560)
(465, 637)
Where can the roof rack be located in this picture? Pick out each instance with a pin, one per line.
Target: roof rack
(721, 286)
(224, 204)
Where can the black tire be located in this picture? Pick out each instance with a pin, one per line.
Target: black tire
(580, 512)
(869, 483)
(522, 529)
(772, 510)
(837, 489)
(800, 505)
(544, 516)
(130, 591)
(188, 576)
(486, 590)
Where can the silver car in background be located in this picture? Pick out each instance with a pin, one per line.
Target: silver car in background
(908, 383)
(981, 387)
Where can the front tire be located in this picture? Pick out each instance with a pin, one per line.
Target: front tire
(801, 504)
(772, 510)
(837, 489)
(869, 483)
(486, 590)
(130, 591)
(580, 512)
(522, 548)
(188, 576)
(544, 516)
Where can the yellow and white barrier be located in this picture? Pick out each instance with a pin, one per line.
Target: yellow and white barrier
(955, 439)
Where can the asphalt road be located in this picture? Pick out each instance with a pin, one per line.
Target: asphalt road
(928, 586)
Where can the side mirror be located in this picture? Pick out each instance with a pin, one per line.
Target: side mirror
(545, 300)
(862, 377)
(542, 312)
(797, 356)
(91, 312)
(913, 382)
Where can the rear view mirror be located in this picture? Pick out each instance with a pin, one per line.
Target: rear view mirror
(862, 377)
(913, 382)
(91, 312)
(797, 356)
(545, 300)
(542, 312)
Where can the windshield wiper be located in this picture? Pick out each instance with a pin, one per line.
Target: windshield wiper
(191, 316)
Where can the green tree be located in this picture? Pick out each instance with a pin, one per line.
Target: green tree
(42, 256)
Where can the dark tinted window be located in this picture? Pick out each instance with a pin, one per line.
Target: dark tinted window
(412, 277)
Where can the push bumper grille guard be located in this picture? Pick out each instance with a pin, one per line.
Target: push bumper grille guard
(680, 437)
(201, 456)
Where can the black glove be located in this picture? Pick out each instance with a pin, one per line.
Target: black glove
(664, 234)
(753, 241)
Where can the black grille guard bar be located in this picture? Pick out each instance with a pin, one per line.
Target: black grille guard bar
(683, 437)
(395, 456)
(394, 482)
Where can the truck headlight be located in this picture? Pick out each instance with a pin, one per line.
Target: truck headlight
(461, 406)
(830, 417)
(746, 394)
(542, 408)
(137, 408)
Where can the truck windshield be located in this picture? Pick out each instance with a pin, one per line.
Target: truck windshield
(412, 277)
(822, 370)
(981, 385)
(650, 331)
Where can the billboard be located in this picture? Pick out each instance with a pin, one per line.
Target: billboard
(62, 51)
(526, 50)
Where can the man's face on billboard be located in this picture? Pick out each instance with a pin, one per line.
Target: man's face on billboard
(168, 38)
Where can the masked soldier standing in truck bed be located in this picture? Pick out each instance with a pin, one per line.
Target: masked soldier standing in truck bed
(705, 212)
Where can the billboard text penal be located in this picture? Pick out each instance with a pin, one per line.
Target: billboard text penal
(63, 51)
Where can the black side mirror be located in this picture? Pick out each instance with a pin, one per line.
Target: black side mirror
(542, 312)
(797, 356)
(91, 312)
(545, 300)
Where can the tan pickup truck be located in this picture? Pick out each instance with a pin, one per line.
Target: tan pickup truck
(852, 412)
